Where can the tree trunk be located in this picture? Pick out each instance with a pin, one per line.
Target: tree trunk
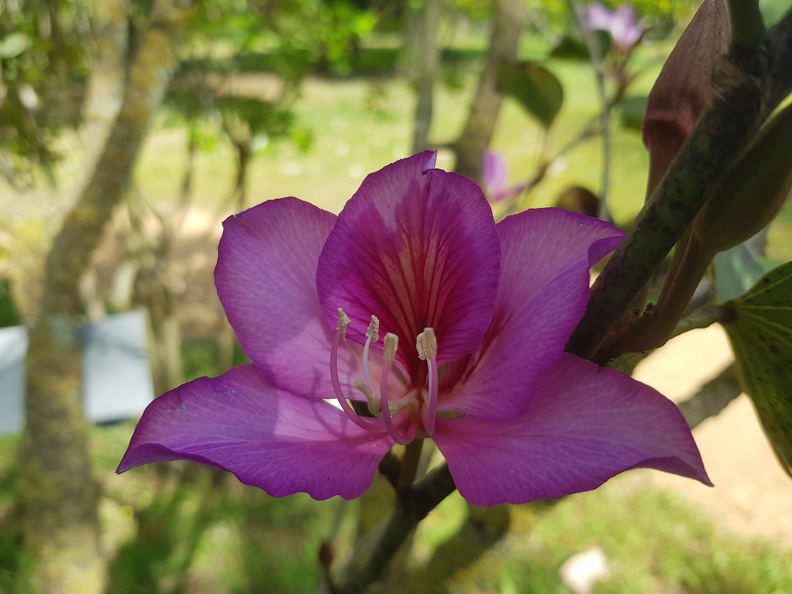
(483, 114)
(56, 493)
(426, 53)
(104, 94)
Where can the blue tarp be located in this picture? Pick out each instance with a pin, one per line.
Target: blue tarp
(117, 381)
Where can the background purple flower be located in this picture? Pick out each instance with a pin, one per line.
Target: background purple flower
(620, 24)
(494, 175)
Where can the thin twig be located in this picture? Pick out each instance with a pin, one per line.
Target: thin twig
(595, 59)
(703, 317)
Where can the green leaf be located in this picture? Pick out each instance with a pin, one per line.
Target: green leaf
(632, 112)
(534, 87)
(736, 270)
(760, 331)
(574, 48)
(12, 45)
(570, 48)
(772, 11)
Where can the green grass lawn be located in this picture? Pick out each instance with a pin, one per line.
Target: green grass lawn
(183, 528)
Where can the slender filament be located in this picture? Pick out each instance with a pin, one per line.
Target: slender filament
(429, 410)
(426, 344)
(391, 343)
(342, 401)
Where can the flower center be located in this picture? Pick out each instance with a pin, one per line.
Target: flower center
(380, 402)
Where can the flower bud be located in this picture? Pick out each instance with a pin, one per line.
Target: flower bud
(752, 191)
(682, 90)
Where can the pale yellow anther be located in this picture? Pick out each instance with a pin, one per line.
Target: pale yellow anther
(426, 343)
(373, 329)
(391, 346)
(343, 322)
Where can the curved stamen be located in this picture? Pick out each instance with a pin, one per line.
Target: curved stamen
(372, 335)
(343, 322)
(430, 410)
(391, 344)
(426, 343)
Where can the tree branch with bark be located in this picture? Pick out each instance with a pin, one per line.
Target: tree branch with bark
(56, 492)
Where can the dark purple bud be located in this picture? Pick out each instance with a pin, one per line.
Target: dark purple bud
(682, 91)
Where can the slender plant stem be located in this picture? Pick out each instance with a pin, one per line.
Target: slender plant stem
(409, 464)
(704, 317)
(595, 59)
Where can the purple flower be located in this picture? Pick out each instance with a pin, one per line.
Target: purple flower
(436, 321)
(494, 173)
(619, 23)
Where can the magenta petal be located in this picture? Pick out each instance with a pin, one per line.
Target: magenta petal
(584, 426)
(545, 259)
(494, 173)
(269, 439)
(265, 277)
(623, 29)
(596, 17)
(418, 248)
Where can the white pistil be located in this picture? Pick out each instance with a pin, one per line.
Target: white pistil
(371, 397)
(343, 322)
(391, 345)
(426, 344)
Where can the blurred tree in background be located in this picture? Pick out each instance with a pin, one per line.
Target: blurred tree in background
(57, 494)
(43, 56)
(102, 70)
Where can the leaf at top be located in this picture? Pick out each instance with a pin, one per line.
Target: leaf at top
(574, 48)
(534, 87)
(760, 332)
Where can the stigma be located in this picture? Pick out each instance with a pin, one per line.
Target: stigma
(426, 344)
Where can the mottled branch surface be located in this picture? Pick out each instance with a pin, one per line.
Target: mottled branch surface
(748, 84)
(56, 494)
